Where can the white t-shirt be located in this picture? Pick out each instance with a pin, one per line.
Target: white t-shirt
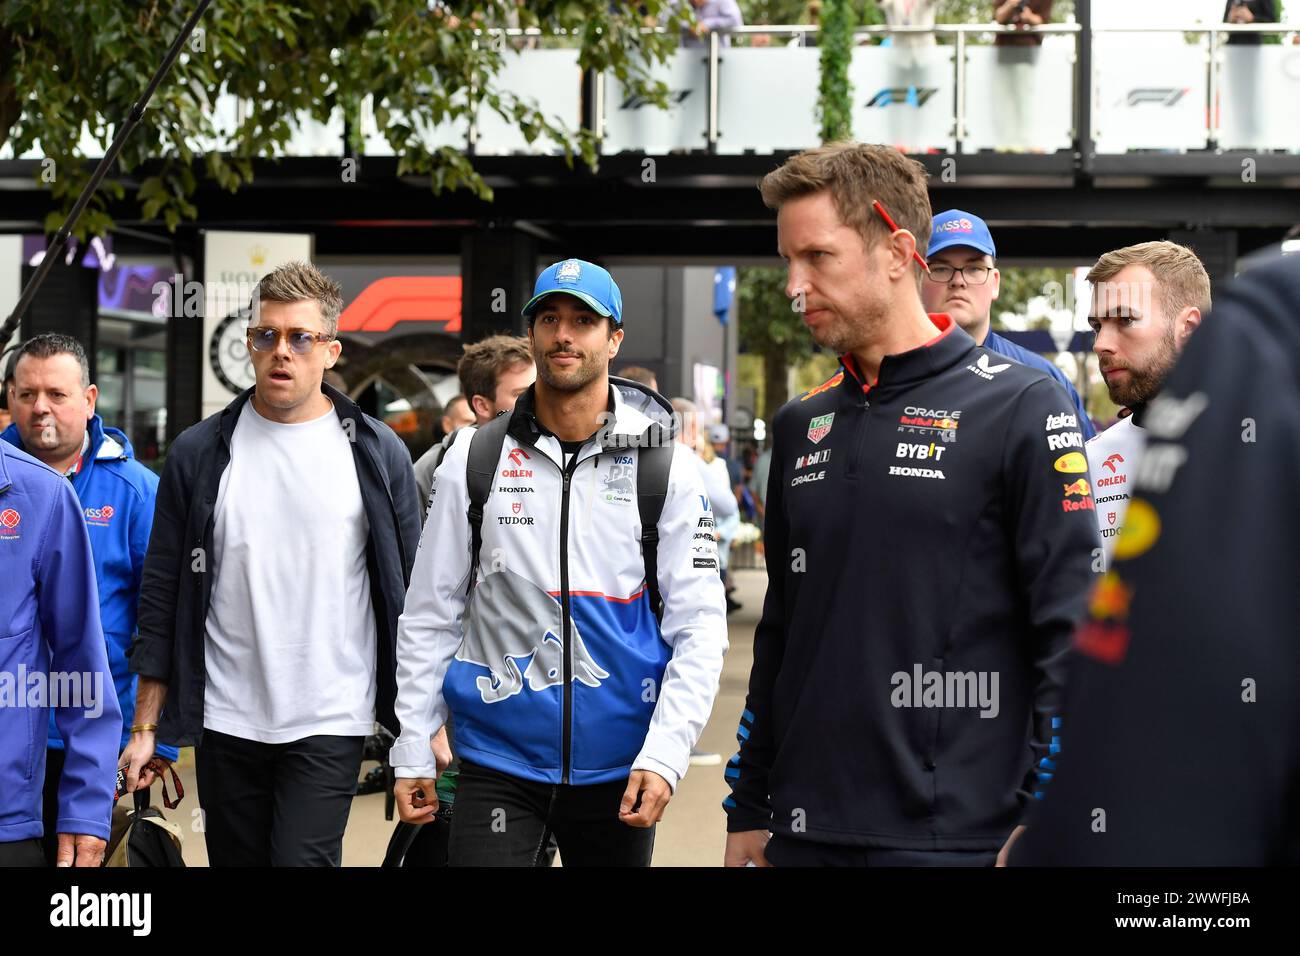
(290, 633)
(1113, 457)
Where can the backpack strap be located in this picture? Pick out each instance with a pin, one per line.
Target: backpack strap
(484, 456)
(654, 462)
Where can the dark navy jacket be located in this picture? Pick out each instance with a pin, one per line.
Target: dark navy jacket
(926, 536)
(177, 584)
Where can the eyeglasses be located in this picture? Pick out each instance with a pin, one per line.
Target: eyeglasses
(974, 275)
(265, 338)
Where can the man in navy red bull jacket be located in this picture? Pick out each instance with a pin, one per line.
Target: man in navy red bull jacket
(930, 539)
(52, 657)
(53, 403)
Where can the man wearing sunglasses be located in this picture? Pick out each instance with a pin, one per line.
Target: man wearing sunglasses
(964, 282)
(929, 534)
(285, 531)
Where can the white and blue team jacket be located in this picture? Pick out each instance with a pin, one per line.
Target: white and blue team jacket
(560, 590)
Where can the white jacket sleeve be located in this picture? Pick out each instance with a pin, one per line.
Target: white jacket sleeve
(694, 623)
(429, 630)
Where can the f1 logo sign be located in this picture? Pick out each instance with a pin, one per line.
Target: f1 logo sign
(902, 96)
(1160, 95)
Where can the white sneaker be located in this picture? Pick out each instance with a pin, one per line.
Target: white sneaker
(702, 758)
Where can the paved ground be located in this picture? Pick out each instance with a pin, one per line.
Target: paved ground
(693, 830)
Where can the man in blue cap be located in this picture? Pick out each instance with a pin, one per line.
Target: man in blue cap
(963, 282)
(573, 635)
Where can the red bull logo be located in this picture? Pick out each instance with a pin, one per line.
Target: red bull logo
(1079, 487)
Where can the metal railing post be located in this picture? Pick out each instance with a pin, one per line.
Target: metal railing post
(1212, 92)
(959, 94)
(712, 133)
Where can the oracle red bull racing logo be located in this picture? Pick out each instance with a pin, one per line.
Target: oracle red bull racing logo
(930, 423)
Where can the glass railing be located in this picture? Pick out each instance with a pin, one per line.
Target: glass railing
(948, 89)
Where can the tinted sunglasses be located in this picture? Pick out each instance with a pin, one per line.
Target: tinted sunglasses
(265, 338)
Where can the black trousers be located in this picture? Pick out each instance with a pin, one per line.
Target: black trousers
(502, 820)
(276, 804)
(22, 853)
(50, 797)
(786, 851)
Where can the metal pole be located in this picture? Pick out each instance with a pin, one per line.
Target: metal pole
(1212, 88)
(959, 63)
(713, 91)
(1084, 145)
(55, 249)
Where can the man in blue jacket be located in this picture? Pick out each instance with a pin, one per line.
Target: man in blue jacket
(53, 404)
(963, 281)
(52, 657)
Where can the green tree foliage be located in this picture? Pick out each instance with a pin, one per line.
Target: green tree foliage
(770, 328)
(1018, 286)
(835, 93)
(68, 67)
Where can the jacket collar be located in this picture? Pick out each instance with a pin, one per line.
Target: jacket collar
(635, 415)
(951, 346)
(344, 407)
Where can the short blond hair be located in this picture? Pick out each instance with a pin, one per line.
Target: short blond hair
(298, 282)
(855, 174)
(1180, 277)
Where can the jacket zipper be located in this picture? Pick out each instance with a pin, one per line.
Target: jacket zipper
(859, 440)
(566, 621)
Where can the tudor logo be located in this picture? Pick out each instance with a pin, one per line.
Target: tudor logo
(517, 506)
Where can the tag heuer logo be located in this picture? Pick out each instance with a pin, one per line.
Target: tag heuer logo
(820, 427)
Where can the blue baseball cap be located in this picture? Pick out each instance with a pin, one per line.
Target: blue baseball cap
(589, 282)
(957, 228)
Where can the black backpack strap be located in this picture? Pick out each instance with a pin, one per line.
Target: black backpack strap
(484, 457)
(653, 464)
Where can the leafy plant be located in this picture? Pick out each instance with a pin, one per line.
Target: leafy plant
(73, 68)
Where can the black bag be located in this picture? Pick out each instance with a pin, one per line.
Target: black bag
(143, 837)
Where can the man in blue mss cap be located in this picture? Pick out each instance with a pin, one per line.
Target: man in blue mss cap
(963, 281)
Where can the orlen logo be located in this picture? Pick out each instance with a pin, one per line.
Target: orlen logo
(101, 515)
(518, 456)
